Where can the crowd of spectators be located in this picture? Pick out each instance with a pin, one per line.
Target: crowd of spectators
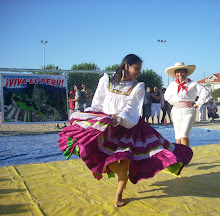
(153, 103)
(78, 100)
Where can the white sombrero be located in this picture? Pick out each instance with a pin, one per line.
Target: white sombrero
(180, 65)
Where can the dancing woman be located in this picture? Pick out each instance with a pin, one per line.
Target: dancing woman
(111, 137)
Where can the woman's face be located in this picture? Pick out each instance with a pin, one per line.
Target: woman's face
(181, 74)
(133, 71)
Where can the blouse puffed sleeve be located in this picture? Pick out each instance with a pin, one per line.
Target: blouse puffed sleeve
(99, 96)
(169, 93)
(203, 93)
(133, 108)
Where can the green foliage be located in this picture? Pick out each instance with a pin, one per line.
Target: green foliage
(89, 79)
(216, 93)
(112, 68)
(150, 78)
(50, 69)
(85, 66)
(24, 106)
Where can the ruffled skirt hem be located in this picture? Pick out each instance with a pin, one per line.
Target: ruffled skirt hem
(99, 144)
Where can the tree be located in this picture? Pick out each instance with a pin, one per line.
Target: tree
(85, 66)
(216, 93)
(50, 69)
(79, 78)
(112, 68)
(150, 78)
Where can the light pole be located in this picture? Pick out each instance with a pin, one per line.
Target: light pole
(44, 42)
(161, 42)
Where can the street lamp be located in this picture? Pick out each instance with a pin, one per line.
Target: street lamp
(44, 42)
(161, 42)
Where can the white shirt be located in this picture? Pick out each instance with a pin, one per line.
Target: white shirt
(124, 100)
(194, 89)
(77, 103)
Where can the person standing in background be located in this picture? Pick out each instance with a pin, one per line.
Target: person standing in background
(155, 107)
(71, 103)
(145, 102)
(88, 96)
(148, 105)
(202, 112)
(78, 104)
(168, 109)
(71, 96)
(163, 105)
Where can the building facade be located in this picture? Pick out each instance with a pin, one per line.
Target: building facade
(212, 82)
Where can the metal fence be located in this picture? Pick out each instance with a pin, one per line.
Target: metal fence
(88, 77)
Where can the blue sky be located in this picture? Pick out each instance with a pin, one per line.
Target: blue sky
(104, 31)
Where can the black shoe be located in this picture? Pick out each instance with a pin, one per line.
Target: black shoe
(57, 125)
(64, 126)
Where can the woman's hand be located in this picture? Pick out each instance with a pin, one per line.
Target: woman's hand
(195, 105)
(115, 121)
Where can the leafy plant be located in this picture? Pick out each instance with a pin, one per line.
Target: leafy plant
(216, 93)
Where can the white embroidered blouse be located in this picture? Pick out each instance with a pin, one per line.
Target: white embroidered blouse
(194, 89)
(124, 99)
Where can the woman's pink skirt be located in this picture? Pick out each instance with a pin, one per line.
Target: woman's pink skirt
(98, 144)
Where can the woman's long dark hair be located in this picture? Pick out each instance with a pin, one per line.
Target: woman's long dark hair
(129, 59)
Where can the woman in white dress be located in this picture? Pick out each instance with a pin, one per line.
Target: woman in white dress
(182, 94)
